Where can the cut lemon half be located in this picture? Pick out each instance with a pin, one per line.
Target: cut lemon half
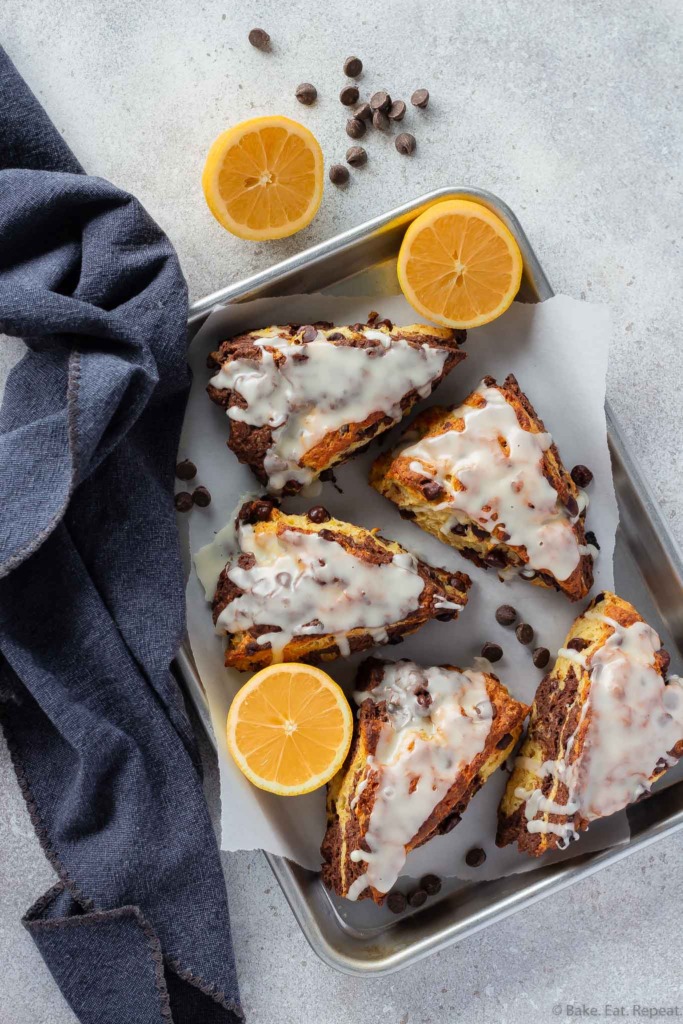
(264, 178)
(289, 729)
(459, 265)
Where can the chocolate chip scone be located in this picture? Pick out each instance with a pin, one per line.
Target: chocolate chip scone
(312, 588)
(486, 478)
(425, 740)
(604, 726)
(301, 400)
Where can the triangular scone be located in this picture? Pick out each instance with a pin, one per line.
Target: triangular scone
(302, 399)
(486, 478)
(425, 740)
(604, 726)
(312, 588)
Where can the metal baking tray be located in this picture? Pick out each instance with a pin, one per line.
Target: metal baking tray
(648, 570)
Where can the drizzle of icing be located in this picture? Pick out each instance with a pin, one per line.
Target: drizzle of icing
(420, 753)
(635, 721)
(492, 474)
(304, 584)
(319, 387)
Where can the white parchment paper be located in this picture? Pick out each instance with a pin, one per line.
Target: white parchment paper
(558, 352)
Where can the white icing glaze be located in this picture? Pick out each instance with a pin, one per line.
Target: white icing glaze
(431, 744)
(308, 585)
(321, 387)
(635, 720)
(500, 488)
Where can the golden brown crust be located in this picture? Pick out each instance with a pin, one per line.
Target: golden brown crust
(347, 825)
(250, 443)
(392, 476)
(245, 654)
(555, 715)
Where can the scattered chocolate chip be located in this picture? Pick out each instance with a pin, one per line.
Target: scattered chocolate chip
(449, 823)
(309, 333)
(405, 143)
(506, 615)
(306, 93)
(363, 112)
(406, 513)
(339, 175)
(431, 884)
(384, 323)
(493, 652)
(479, 532)
(431, 489)
(665, 659)
(578, 643)
(186, 470)
(599, 598)
(397, 111)
(349, 95)
(420, 98)
(459, 529)
(581, 475)
(447, 616)
(356, 156)
(353, 67)
(417, 898)
(201, 497)
(246, 560)
(355, 128)
(396, 902)
(372, 317)
(183, 501)
(380, 101)
(211, 362)
(259, 38)
(504, 741)
(334, 336)
(318, 514)
(497, 559)
(541, 657)
(380, 121)
(256, 511)
(475, 857)
(423, 698)
(572, 506)
(524, 633)
(592, 539)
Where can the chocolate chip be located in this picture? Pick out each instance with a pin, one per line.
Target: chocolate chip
(353, 67)
(431, 884)
(524, 633)
(459, 529)
(309, 333)
(339, 175)
(592, 539)
(396, 902)
(504, 741)
(497, 559)
(380, 121)
(356, 156)
(581, 475)
(349, 95)
(256, 511)
(475, 857)
(380, 101)
(431, 489)
(397, 111)
(211, 362)
(384, 323)
(417, 898)
(259, 38)
(506, 615)
(364, 112)
(599, 598)
(406, 513)
(423, 698)
(246, 560)
(420, 98)
(578, 643)
(355, 128)
(541, 657)
(186, 470)
(405, 143)
(446, 616)
(183, 501)
(335, 336)
(449, 823)
(493, 652)
(665, 659)
(572, 506)
(306, 93)
(201, 496)
(479, 532)
(318, 514)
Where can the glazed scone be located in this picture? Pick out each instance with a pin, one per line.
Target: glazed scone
(312, 588)
(604, 726)
(486, 478)
(425, 740)
(301, 400)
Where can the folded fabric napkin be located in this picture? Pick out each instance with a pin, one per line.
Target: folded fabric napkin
(91, 591)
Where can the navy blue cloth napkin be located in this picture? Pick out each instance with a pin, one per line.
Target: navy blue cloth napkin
(136, 931)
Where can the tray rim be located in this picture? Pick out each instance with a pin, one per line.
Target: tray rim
(565, 873)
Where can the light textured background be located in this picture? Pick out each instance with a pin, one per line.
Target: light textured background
(569, 110)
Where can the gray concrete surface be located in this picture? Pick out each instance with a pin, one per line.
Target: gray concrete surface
(570, 111)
